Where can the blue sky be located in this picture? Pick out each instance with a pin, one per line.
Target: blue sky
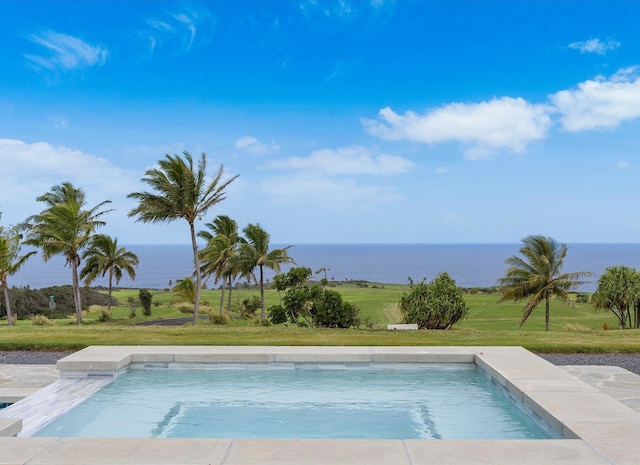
(348, 121)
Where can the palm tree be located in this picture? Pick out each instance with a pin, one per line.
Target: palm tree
(220, 255)
(65, 227)
(180, 191)
(10, 261)
(537, 275)
(254, 252)
(104, 256)
(185, 290)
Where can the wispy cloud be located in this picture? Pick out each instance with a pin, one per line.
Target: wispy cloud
(179, 32)
(253, 146)
(441, 170)
(600, 103)
(487, 127)
(340, 9)
(622, 164)
(595, 46)
(64, 52)
(353, 160)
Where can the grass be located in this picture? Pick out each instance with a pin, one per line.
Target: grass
(574, 328)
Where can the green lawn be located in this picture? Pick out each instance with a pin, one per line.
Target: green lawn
(574, 328)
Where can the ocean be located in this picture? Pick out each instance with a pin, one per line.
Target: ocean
(471, 265)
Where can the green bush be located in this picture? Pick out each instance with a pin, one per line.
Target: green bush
(145, 298)
(436, 305)
(250, 305)
(185, 308)
(219, 319)
(277, 314)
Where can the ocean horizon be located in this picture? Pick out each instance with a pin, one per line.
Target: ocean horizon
(470, 265)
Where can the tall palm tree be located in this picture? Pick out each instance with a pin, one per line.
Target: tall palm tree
(65, 227)
(10, 261)
(104, 256)
(537, 275)
(219, 256)
(181, 190)
(254, 252)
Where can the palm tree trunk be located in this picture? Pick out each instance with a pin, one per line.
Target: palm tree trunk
(5, 291)
(110, 286)
(196, 264)
(224, 281)
(546, 315)
(229, 298)
(76, 290)
(261, 295)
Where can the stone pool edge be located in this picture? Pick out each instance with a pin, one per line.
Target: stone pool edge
(598, 429)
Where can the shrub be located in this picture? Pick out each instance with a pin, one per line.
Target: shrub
(250, 305)
(219, 319)
(41, 320)
(145, 298)
(104, 316)
(436, 305)
(332, 312)
(277, 314)
(185, 308)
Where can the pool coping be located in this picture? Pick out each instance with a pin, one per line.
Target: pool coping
(597, 429)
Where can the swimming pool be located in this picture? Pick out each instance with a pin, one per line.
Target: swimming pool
(279, 400)
(595, 429)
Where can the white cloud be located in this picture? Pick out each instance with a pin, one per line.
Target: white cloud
(30, 170)
(595, 46)
(66, 52)
(622, 165)
(321, 191)
(252, 145)
(331, 179)
(599, 103)
(487, 127)
(346, 161)
(441, 170)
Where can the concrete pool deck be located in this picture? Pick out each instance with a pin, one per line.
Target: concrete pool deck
(597, 428)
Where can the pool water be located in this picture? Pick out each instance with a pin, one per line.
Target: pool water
(410, 401)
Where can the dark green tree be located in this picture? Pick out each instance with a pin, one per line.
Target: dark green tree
(436, 305)
(618, 291)
(65, 227)
(145, 297)
(537, 275)
(314, 304)
(180, 190)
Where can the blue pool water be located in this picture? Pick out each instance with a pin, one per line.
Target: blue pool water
(433, 401)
